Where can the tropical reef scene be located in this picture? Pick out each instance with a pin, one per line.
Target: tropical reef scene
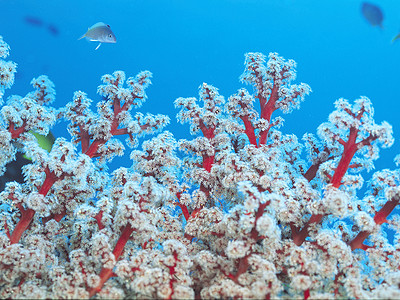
(214, 149)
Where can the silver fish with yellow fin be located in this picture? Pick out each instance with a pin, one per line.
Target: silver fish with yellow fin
(100, 32)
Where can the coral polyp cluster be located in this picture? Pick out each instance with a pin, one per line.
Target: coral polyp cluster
(242, 210)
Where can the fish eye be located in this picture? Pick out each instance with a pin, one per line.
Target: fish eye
(108, 26)
(109, 35)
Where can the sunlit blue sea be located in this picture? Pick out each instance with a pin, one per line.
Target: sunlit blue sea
(187, 42)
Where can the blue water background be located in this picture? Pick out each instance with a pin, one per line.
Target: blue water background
(186, 42)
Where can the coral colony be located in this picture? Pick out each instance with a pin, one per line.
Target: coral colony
(245, 212)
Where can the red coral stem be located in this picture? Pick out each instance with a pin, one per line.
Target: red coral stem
(306, 294)
(385, 211)
(28, 214)
(242, 267)
(23, 223)
(50, 179)
(300, 236)
(350, 148)
(106, 273)
(380, 218)
(208, 162)
(98, 218)
(249, 130)
(184, 209)
(92, 149)
(16, 132)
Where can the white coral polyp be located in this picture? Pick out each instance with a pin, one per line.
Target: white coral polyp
(266, 225)
(237, 249)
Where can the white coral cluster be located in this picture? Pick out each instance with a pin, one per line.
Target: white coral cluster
(272, 78)
(357, 120)
(7, 69)
(30, 111)
(218, 216)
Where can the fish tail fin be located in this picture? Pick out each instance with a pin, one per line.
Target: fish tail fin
(395, 38)
(98, 46)
(82, 37)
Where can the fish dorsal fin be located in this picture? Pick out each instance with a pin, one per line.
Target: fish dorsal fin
(98, 24)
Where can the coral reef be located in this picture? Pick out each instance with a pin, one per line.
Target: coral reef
(240, 211)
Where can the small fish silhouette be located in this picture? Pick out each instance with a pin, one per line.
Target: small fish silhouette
(396, 38)
(372, 13)
(34, 21)
(53, 29)
(37, 22)
(100, 32)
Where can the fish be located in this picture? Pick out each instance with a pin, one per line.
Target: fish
(372, 13)
(37, 22)
(100, 32)
(53, 29)
(13, 170)
(396, 38)
(45, 141)
(33, 21)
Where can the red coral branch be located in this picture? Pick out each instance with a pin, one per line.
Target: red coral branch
(249, 130)
(23, 223)
(98, 218)
(106, 273)
(172, 272)
(266, 111)
(350, 147)
(7, 229)
(184, 209)
(16, 132)
(380, 218)
(92, 148)
(306, 294)
(242, 266)
(260, 211)
(55, 216)
(208, 161)
(28, 214)
(312, 171)
(84, 139)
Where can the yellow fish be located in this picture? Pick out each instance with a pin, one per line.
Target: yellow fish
(45, 141)
(14, 169)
